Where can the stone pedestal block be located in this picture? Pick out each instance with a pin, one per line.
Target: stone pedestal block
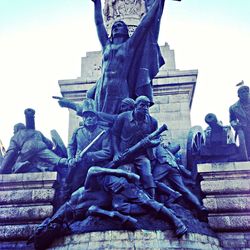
(25, 201)
(227, 196)
(141, 239)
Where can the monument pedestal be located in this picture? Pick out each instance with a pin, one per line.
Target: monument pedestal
(140, 239)
(227, 190)
(26, 200)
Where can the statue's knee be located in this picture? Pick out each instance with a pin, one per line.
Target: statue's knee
(94, 170)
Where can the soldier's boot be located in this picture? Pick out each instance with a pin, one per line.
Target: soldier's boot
(202, 211)
(173, 195)
(149, 185)
(180, 228)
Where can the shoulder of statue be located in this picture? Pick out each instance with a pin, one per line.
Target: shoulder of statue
(78, 129)
(153, 120)
(235, 105)
(125, 115)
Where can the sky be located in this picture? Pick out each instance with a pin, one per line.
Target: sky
(43, 41)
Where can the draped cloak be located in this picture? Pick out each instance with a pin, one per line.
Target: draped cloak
(147, 59)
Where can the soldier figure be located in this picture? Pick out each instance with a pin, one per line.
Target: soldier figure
(98, 154)
(104, 189)
(165, 167)
(130, 128)
(105, 119)
(28, 145)
(240, 116)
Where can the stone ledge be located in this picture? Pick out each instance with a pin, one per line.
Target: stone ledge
(13, 245)
(16, 232)
(226, 186)
(230, 222)
(235, 240)
(26, 196)
(27, 180)
(224, 167)
(140, 239)
(229, 203)
(26, 213)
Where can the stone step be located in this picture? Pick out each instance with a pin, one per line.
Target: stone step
(16, 232)
(26, 213)
(27, 180)
(227, 203)
(230, 222)
(26, 196)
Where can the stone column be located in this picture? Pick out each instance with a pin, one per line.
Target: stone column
(227, 190)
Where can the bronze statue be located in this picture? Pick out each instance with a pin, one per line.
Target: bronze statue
(30, 150)
(240, 117)
(105, 119)
(92, 199)
(130, 128)
(166, 168)
(98, 154)
(129, 63)
(106, 192)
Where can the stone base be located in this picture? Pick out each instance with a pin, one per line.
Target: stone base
(232, 241)
(227, 190)
(16, 232)
(25, 201)
(15, 245)
(140, 239)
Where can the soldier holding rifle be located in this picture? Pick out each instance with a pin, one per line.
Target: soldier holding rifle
(130, 128)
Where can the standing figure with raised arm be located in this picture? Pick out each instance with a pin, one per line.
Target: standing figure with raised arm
(129, 63)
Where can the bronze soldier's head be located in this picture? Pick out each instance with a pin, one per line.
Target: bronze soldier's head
(142, 104)
(127, 104)
(243, 93)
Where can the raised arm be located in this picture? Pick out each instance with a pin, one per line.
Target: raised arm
(101, 31)
(146, 22)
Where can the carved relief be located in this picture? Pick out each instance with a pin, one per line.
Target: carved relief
(114, 9)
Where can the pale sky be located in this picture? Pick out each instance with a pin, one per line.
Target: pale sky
(42, 41)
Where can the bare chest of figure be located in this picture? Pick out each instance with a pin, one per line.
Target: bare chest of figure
(115, 58)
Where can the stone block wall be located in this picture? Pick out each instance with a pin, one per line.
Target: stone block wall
(138, 240)
(227, 190)
(25, 201)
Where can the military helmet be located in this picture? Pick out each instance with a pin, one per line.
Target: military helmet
(88, 106)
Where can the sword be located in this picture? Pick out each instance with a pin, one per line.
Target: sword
(84, 151)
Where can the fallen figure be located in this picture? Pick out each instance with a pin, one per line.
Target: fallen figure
(100, 195)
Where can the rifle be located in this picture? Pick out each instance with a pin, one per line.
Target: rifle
(148, 141)
(57, 97)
